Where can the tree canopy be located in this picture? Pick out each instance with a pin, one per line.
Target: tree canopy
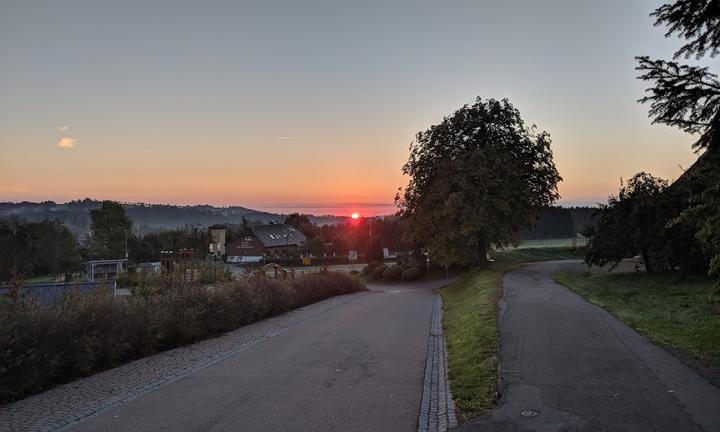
(631, 223)
(36, 248)
(476, 179)
(110, 227)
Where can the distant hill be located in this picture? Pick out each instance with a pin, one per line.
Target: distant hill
(146, 217)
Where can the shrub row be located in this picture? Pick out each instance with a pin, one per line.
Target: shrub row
(41, 347)
(393, 272)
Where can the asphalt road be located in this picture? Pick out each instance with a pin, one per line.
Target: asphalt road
(359, 367)
(580, 369)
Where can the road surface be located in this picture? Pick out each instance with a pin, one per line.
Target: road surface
(359, 367)
(571, 366)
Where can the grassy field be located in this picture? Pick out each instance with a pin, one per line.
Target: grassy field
(679, 314)
(553, 243)
(519, 255)
(470, 324)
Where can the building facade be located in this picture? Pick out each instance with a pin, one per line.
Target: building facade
(274, 240)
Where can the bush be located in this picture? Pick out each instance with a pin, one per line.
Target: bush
(378, 272)
(393, 273)
(45, 346)
(411, 274)
(371, 266)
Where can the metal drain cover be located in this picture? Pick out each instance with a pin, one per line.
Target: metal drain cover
(529, 413)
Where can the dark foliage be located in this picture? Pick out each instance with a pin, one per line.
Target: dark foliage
(110, 229)
(36, 248)
(643, 220)
(411, 274)
(374, 250)
(477, 179)
(393, 273)
(687, 97)
(149, 246)
(378, 272)
(697, 21)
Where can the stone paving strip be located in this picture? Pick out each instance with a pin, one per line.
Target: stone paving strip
(437, 409)
(69, 404)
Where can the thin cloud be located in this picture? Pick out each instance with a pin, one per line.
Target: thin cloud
(150, 151)
(67, 143)
(285, 138)
(62, 129)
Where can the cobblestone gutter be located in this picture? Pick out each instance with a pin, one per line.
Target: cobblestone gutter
(437, 409)
(67, 405)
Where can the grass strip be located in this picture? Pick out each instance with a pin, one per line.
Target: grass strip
(471, 332)
(683, 314)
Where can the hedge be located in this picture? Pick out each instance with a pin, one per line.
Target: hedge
(41, 347)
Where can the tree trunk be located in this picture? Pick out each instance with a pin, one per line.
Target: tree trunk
(482, 255)
(646, 261)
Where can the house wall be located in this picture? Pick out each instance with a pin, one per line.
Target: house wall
(245, 246)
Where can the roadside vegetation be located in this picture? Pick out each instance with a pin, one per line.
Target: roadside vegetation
(41, 347)
(682, 314)
(471, 332)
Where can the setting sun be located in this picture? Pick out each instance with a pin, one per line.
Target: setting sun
(355, 215)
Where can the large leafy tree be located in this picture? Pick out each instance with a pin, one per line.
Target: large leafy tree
(110, 227)
(476, 180)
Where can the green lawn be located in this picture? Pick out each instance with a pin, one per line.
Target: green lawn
(680, 314)
(518, 255)
(470, 327)
(553, 243)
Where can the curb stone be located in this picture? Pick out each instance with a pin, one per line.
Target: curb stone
(437, 409)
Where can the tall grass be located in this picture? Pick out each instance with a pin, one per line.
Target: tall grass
(45, 346)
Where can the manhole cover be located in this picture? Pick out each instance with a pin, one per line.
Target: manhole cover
(529, 413)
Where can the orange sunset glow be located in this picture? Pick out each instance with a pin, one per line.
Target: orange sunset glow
(240, 126)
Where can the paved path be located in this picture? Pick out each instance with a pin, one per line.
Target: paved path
(351, 363)
(584, 370)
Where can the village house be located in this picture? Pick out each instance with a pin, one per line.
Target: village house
(275, 240)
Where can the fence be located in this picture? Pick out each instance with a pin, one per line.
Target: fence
(52, 293)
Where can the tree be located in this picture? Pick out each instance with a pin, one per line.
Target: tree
(704, 211)
(374, 251)
(685, 96)
(315, 246)
(688, 97)
(54, 248)
(476, 180)
(16, 247)
(340, 245)
(634, 222)
(302, 223)
(109, 227)
(37, 248)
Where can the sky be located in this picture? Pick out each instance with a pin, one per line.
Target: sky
(313, 104)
